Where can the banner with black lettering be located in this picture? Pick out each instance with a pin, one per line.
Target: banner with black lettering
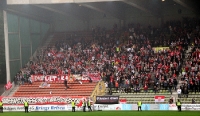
(68, 107)
(107, 99)
(190, 107)
(43, 100)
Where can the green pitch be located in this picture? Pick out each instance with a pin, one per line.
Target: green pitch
(105, 113)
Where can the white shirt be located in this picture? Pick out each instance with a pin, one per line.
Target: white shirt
(179, 91)
(49, 54)
(93, 57)
(106, 85)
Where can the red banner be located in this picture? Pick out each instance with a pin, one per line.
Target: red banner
(8, 85)
(95, 77)
(122, 101)
(49, 77)
(159, 98)
(42, 100)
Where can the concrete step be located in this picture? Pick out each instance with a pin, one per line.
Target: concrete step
(13, 90)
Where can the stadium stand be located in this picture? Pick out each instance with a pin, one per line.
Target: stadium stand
(40, 64)
(180, 39)
(135, 63)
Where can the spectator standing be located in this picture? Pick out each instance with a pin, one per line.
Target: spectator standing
(193, 101)
(110, 91)
(199, 81)
(116, 85)
(171, 100)
(145, 88)
(179, 92)
(155, 89)
(182, 88)
(170, 87)
(16, 80)
(175, 82)
(65, 83)
(196, 87)
(165, 84)
(30, 81)
(22, 80)
(185, 92)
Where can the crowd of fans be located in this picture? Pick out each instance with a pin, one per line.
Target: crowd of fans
(126, 58)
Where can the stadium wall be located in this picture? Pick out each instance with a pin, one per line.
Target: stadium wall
(24, 36)
(137, 16)
(103, 20)
(176, 12)
(63, 24)
(131, 15)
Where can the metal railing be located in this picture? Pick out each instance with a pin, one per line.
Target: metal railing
(99, 90)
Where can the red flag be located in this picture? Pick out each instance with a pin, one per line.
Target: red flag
(159, 98)
(80, 104)
(8, 85)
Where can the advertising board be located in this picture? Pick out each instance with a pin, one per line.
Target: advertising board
(102, 107)
(107, 99)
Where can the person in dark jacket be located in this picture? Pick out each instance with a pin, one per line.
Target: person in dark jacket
(175, 82)
(65, 83)
(196, 87)
(185, 92)
(193, 101)
(170, 87)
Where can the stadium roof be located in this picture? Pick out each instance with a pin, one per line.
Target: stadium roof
(47, 10)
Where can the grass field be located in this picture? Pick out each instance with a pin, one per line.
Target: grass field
(105, 113)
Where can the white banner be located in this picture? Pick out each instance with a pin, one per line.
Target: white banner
(8, 108)
(107, 107)
(190, 107)
(172, 107)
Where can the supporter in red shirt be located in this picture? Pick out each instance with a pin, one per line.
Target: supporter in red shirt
(145, 88)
